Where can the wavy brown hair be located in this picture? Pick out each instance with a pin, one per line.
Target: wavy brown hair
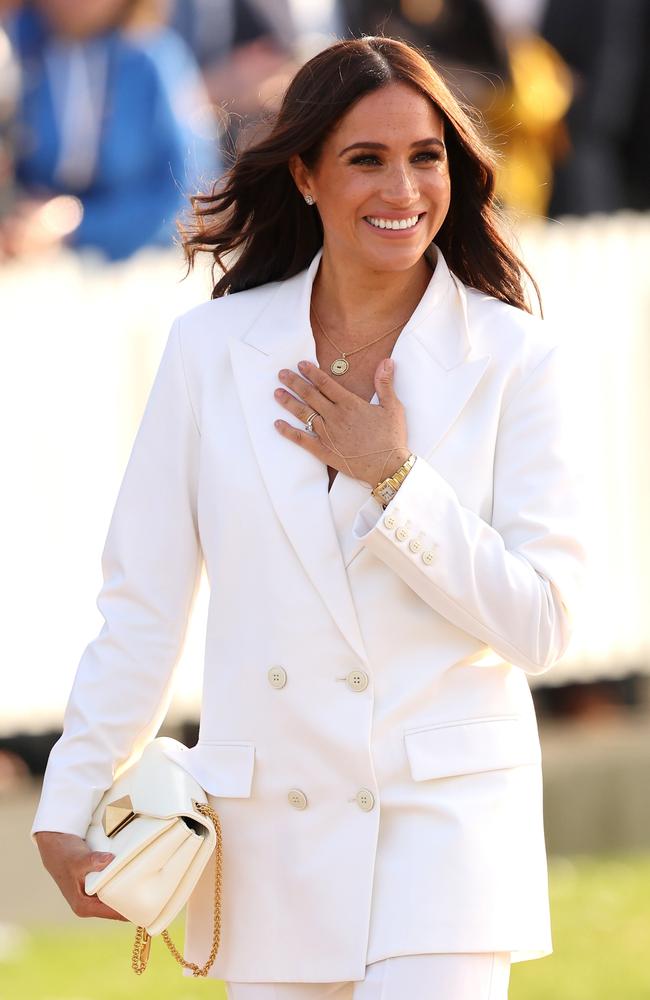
(257, 210)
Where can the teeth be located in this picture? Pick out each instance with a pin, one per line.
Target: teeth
(392, 223)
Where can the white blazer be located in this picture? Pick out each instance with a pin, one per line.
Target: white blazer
(367, 728)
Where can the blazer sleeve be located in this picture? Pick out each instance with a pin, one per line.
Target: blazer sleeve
(514, 583)
(151, 565)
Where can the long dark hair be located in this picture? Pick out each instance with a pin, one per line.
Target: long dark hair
(257, 209)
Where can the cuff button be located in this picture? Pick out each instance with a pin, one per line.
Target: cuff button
(401, 534)
(427, 557)
(390, 521)
(415, 545)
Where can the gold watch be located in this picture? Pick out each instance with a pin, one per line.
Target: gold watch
(387, 488)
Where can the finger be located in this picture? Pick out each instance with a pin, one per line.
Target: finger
(305, 390)
(307, 441)
(384, 382)
(327, 385)
(91, 906)
(293, 405)
(95, 861)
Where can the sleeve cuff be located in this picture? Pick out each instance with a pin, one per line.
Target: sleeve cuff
(413, 505)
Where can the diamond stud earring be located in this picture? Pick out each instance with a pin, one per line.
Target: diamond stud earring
(309, 199)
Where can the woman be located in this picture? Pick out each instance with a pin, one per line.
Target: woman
(368, 735)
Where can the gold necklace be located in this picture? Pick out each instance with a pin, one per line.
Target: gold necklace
(341, 364)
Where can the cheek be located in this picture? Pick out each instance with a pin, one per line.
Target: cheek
(346, 203)
(439, 190)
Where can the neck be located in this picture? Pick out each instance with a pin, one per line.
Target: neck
(354, 303)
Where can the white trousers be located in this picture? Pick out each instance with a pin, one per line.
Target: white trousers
(476, 976)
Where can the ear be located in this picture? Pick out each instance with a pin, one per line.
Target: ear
(299, 173)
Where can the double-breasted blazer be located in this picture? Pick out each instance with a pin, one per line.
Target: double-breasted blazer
(367, 730)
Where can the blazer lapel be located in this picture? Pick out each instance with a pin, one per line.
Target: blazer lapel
(434, 377)
(295, 480)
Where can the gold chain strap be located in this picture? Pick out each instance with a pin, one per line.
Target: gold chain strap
(142, 943)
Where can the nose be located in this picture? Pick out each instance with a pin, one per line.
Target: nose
(401, 186)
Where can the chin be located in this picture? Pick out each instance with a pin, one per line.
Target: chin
(394, 258)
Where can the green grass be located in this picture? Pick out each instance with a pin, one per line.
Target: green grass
(601, 936)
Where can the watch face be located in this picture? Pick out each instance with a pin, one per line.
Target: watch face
(387, 493)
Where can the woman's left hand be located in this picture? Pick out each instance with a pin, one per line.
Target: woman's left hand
(346, 422)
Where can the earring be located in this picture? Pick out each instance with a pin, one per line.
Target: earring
(309, 199)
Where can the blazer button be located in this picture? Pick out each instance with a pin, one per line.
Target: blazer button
(277, 677)
(297, 798)
(390, 521)
(357, 680)
(415, 545)
(401, 534)
(427, 557)
(365, 799)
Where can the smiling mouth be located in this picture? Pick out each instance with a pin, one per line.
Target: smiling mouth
(392, 228)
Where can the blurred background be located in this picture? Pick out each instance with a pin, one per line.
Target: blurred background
(112, 113)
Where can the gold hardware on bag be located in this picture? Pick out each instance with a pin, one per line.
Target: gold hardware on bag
(117, 815)
(141, 950)
(142, 943)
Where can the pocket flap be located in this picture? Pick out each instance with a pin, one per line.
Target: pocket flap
(223, 767)
(471, 745)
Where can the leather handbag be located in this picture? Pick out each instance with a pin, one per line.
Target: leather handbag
(156, 820)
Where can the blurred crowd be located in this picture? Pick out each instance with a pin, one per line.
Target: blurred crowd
(113, 112)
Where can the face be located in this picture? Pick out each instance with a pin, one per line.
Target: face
(397, 170)
(81, 19)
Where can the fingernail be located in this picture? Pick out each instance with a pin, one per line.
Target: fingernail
(303, 365)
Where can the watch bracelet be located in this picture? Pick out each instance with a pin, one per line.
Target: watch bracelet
(396, 480)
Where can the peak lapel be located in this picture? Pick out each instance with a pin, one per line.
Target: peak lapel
(296, 481)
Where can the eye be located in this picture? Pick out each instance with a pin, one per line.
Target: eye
(430, 155)
(363, 159)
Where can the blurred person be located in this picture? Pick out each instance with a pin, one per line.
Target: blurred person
(9, 89)
(113, 128)
(603, 167)
(363, 436)
(246, 52)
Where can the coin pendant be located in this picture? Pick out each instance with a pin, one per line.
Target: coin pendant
(339, 367)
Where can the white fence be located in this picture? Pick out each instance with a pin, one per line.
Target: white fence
(80, 345)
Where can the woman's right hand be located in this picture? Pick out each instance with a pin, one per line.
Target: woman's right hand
(68, 860)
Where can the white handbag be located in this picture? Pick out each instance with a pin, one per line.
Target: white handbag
(156, 820)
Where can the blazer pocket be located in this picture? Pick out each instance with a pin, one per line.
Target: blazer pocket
(471, 745)
(221, 767)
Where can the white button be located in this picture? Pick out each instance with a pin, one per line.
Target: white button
(357, 680)
(427, 557)
(365, 799)
(415, 545)
(401, 534)
(297, 798)
(277, 677)
(390, 521)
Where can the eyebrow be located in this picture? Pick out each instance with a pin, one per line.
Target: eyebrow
(433, 141)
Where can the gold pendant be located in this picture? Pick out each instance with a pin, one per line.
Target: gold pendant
(339, 367)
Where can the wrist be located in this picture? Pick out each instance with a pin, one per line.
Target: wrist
(396, 462)
(388, 487)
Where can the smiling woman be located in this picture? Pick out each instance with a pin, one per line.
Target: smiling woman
(367, 735)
